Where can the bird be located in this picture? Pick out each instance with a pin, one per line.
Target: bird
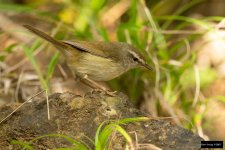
(94, 61)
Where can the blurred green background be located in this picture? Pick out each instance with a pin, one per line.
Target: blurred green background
(183, 40)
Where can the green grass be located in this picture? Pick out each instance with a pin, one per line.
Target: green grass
(79, 145)
(102, 139)
(53, 62)
(29, 53)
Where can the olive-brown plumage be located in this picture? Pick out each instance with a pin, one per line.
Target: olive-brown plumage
(100, 61)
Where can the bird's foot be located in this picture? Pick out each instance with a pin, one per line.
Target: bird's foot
(97, 87)
(111, 93)
(107, 92)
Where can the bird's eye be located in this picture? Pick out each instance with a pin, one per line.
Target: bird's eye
(135, 59)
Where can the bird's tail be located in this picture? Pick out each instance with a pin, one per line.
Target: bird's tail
(60, 45)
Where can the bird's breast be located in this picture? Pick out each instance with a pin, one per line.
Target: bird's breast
(95, 67)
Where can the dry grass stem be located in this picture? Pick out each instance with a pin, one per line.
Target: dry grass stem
(197, 87)
(21, 106)
(48, 111)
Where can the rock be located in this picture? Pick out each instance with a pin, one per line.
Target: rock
(79, 117)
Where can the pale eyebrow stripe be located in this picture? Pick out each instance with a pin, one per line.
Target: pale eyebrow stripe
(136, 56)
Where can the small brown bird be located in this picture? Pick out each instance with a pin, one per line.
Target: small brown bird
(96, 61)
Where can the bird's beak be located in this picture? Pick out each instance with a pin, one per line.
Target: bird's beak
(147, 66)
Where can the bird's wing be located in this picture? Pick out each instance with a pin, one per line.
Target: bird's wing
(95, 48)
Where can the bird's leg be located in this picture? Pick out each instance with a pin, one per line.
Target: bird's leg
(95, 85)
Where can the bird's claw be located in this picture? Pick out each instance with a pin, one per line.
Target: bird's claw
(110, 93)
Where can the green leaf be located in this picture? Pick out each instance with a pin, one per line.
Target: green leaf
(10, 48)
(52, 65)
(79, 145)
(29, 54)
(24, 145)
(130, 120)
